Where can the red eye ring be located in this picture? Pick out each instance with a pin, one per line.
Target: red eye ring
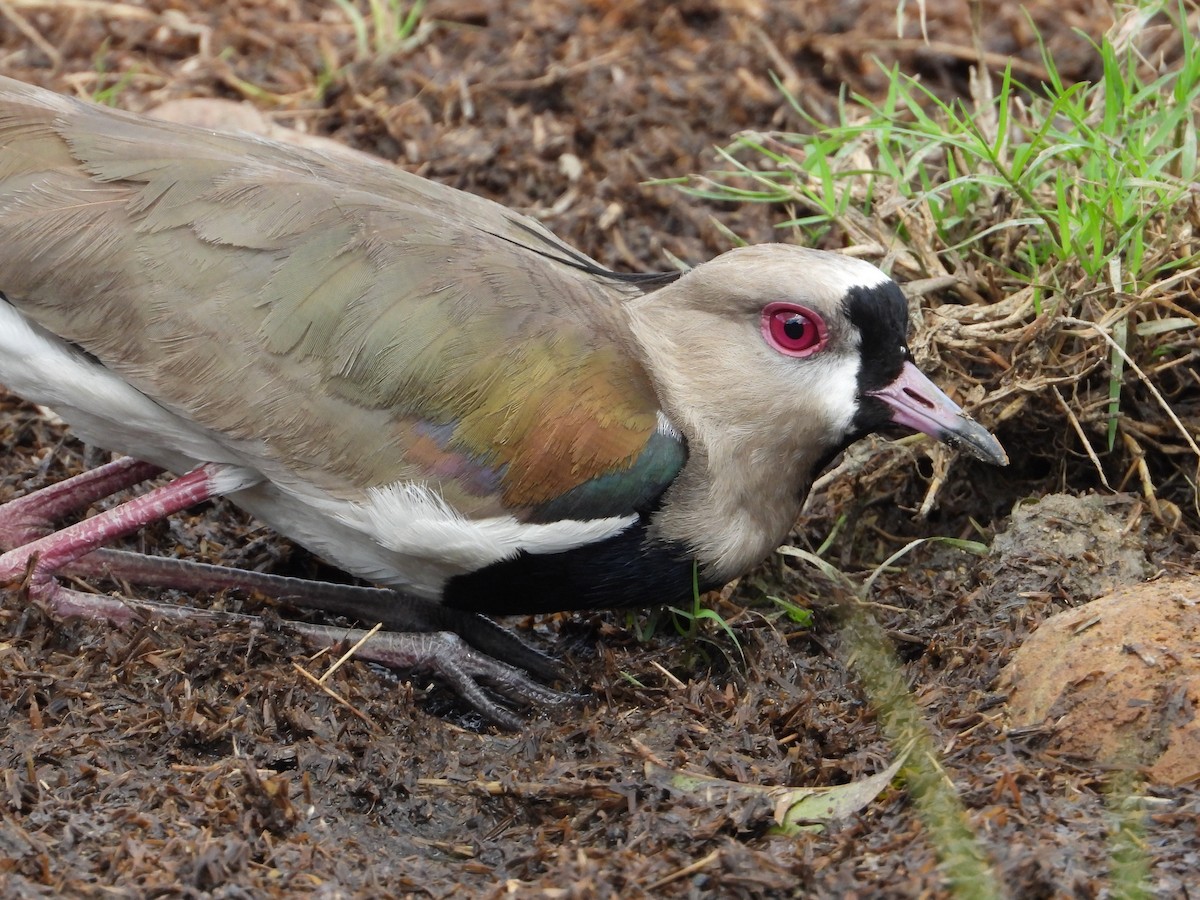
(793, 330)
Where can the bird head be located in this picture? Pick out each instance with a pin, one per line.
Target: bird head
(775, 338)
(770, 360)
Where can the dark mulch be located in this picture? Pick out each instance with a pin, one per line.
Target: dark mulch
(163, 760)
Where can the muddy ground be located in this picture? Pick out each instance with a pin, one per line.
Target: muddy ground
(176, 761)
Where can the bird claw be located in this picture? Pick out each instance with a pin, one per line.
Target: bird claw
(474, 677)
(450, 660)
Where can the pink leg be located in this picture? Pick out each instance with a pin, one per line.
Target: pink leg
(32, 516)
(45, 556)
(26, 519)
(446, 642)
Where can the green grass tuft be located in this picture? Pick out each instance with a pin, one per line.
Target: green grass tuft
(387, 27)
(1031, 208)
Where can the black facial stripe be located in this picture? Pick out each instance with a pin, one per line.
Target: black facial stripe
(880, 314)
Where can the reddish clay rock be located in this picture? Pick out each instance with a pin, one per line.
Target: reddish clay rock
(1117, 681)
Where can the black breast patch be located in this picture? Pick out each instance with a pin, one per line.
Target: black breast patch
(626, 570)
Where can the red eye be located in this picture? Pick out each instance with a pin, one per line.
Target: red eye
(793, 330)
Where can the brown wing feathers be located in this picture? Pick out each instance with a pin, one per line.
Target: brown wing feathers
(225, 278)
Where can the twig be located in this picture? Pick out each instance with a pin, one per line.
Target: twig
(336, 696)
(1087, 445)
(685, 871)
(35, 37)
(1139, 461)
(945, 48)
(93, 7)
(349, 653)
(667, 675)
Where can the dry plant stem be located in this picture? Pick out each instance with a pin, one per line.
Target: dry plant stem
(94, 7)
(1129, 361)
(828, 43)
(8, 11)
(1079, 432)
(684, 872)
(1004, 320)
(941, 467)
(349, 654)
(1138, 455)
(320, 685)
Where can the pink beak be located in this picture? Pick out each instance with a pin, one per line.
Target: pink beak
(919, 404)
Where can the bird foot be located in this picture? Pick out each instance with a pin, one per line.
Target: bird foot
(472, 676)
(475, 678)
(461, 649)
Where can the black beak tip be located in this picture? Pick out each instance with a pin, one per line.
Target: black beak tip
(972, 437)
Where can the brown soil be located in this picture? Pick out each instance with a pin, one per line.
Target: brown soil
(197, 762)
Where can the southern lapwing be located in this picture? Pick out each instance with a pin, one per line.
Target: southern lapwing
(419, 385)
